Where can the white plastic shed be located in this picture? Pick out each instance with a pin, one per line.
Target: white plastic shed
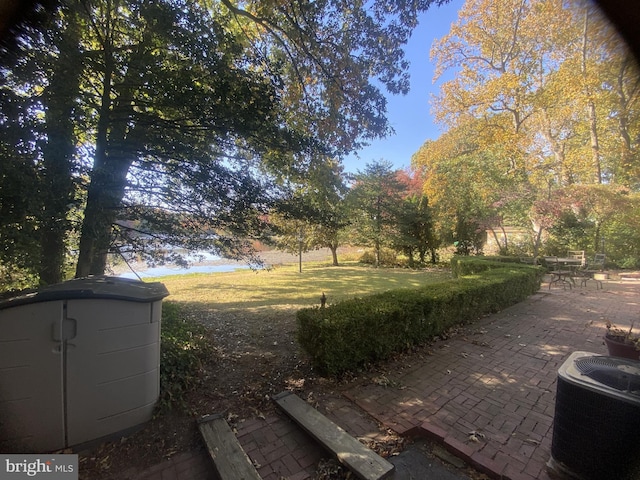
(78, 361)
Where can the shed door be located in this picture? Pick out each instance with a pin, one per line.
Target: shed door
(31, 394)
(113, 366)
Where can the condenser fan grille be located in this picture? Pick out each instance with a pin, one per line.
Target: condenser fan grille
(613, 372)
(596, 426)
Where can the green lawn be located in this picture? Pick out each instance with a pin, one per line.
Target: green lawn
(284, 285)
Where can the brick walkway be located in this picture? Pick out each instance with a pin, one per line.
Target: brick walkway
(498, 379)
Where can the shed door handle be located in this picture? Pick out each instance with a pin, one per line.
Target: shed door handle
(64, 330)
(69, 328)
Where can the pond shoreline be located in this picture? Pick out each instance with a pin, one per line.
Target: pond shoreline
(269, 257)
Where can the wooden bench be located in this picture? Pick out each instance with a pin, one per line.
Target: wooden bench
(229, 459)
(362, 461)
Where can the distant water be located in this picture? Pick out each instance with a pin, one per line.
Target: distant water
(174, 270)
(164, 271)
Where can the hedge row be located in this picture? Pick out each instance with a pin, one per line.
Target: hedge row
(353, 333)
(461, 266)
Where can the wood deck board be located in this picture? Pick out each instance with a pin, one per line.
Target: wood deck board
(229, 459)
(365, 463)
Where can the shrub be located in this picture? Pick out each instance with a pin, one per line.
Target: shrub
(13, 280)
(183, 350)
(387, 257)
(351, 334)
(629, 263)
(461, 266)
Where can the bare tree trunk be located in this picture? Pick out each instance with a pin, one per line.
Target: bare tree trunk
(108, 181)
(59, 99)
(557, 147)
(96, 224)
(502, 249)
(506, 239)
(591, 107)
(625, 96)
(334, 254)
(595, 145)
(536, 244)
(110, 169)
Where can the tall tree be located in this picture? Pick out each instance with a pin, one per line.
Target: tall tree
(374, 200)
(529, 113)
(598, 204)
(313, 214)
(555, 89)
(415, 230)
(468, 172)
(622, 128)
(168, 113)
(163, 136)
(59, 103)
(19, 246)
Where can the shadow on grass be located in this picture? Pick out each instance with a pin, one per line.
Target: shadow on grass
(285, 286)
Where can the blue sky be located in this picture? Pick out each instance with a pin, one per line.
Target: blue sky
(410, 115)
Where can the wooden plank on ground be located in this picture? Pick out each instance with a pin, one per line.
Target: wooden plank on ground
(229, 459)
(362, 461)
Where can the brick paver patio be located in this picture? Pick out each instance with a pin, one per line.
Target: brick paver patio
(498, 379)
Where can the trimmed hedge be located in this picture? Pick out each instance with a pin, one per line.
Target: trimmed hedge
(353, 333)
(461, 266)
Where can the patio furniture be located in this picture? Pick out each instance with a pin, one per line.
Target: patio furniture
(592, 268)
(559, 274)
(578, 256)
(572, 263)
